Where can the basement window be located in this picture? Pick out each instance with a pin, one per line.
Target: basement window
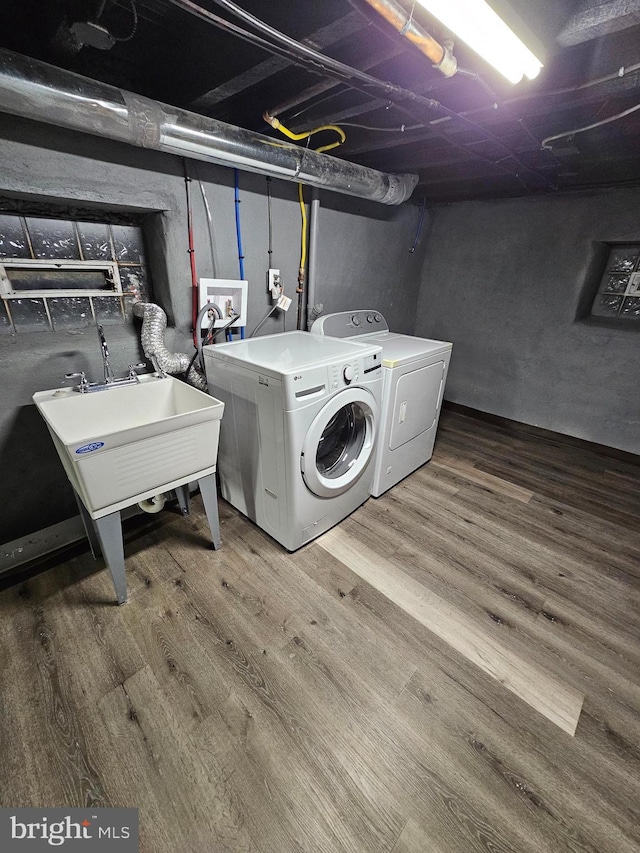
(59, 274)
(618, 294)
(63, 278)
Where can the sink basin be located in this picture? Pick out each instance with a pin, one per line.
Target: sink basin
(120, 445)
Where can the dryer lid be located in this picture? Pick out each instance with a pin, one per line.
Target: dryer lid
(370, 326)
(398, 350)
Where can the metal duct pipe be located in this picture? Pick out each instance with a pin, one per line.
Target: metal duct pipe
(154, 323)
(42, 92)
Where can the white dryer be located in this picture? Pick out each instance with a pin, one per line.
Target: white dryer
(414, 376)
(296, 452)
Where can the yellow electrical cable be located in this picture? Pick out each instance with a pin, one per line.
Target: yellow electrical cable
(331, 145)
(303, 239)
(276, 124)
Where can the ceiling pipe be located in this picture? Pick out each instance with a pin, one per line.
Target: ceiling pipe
(280, 44)
(42, 92)
(440, 55)
(326, 85)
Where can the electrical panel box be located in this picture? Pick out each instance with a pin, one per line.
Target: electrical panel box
(229, 294)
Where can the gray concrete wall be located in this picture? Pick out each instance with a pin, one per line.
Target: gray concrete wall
(504, 281)
(364, 260)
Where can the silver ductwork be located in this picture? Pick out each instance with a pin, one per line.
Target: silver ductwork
(154, 324)
(42, 92)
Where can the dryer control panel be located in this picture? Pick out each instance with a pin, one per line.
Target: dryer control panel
(348, 324)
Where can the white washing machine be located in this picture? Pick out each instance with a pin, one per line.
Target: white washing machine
(297, 440)
(414, 376)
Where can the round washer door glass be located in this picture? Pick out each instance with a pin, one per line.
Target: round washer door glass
(339, 443)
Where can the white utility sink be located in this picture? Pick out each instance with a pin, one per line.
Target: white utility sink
(121, 445)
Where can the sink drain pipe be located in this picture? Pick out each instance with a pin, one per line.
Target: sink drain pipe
(154, 504)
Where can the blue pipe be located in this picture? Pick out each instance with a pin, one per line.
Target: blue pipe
(236, 173)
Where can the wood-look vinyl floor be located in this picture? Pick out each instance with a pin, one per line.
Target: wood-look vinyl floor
(454, 668)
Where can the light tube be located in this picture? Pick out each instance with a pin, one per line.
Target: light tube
(479, 26)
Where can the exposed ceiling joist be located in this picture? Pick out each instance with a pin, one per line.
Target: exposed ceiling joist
(594, 19)
(342, 114)
(327, 85)
(319, 40)
(483, 141)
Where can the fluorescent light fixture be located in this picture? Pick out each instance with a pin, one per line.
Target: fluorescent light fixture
(477, 24)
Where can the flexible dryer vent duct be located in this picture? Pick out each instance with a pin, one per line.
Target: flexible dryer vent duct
(42, 92)
(154, 323)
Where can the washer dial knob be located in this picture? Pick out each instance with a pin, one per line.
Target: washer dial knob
(369, 318)
(348, 374)
(355, 319)
(377, 318)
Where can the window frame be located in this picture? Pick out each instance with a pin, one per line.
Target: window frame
(109, 268)
(618, 319)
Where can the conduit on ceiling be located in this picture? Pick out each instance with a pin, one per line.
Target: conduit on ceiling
(41, 92)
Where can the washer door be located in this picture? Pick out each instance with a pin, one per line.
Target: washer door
(339, 442)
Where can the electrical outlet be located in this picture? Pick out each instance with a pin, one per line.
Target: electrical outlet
(273, 283)
(284, 302)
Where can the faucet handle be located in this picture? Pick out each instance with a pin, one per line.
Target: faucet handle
(134, 367)
(82, 377)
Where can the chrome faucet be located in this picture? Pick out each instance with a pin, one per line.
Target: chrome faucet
(85, 387)
(156, 366)
(108, 372)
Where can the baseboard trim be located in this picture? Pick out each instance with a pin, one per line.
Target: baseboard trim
(39, 551)
(37, 545)
(543, 434)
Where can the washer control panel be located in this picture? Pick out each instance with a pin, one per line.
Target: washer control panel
(352, 365)
(352, 371)
(348, 324)
(345, 374)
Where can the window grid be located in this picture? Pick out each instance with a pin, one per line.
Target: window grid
(35, 238)
(618, 295)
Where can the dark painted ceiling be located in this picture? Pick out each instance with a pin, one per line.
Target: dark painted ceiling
(168, 54)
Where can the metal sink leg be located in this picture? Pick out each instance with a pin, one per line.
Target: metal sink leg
(89, 527)
(209, 494)
(182, 493)
(109, 530)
